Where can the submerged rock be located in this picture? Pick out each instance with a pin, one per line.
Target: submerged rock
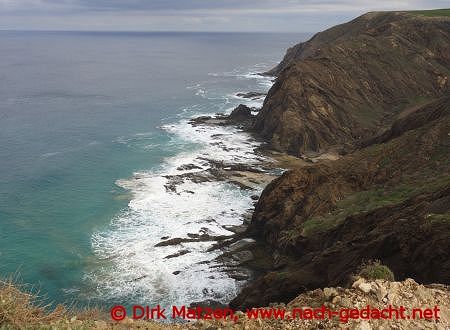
(178, 254)
(251, 95)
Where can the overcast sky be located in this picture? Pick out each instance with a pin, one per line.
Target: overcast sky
(193, 15)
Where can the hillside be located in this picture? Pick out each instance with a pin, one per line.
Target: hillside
(353, 80)
(376, 90)
(387, 201)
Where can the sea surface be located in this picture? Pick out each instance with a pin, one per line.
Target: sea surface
(90, 125)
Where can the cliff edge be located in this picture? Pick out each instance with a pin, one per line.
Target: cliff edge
(351, 81)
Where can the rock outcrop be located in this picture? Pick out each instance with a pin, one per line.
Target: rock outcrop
(241, 116)
(348, 82)
(240, 113)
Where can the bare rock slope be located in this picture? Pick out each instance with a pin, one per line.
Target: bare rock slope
(348, 82)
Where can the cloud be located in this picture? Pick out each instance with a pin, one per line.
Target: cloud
(210, 15)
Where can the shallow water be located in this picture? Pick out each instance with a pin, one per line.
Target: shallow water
(89, 125)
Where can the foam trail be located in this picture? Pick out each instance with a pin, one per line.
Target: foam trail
(130, 268)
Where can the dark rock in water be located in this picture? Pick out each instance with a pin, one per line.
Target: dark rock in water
(255, 197)
(234, 259)
(240, 113)
(173, 241)
(251, 95)
(241, 116)
(188, 167)
(242, 243)
(165, 237)
(217, 136)
(178, 254)
(176, 272)
(236, 229)
(201, 238)
(240, 275)
(138, 278)
(244, 168)
(200, 120)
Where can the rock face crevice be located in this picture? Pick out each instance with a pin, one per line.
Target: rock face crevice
(351, 80)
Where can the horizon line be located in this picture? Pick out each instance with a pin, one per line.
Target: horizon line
(150, 31)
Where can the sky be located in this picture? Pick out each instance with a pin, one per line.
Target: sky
(193, 15)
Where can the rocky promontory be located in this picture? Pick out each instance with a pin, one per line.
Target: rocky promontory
(351, 81)
(367, 103)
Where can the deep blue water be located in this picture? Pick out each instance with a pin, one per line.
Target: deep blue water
(79, 111)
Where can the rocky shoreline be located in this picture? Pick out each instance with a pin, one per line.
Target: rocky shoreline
(304, 232)
(238, 252)
(342, 186)
(241, 257)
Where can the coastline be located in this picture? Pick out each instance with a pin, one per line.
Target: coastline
(242, 257)
(341, 220)
(206, 246)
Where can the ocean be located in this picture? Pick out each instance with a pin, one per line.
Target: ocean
(90, 126)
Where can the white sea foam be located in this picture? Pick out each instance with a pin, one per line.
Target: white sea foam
(131, 268)
(262, 81)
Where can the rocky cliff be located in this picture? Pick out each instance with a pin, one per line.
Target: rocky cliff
(376, 87)
(352, 80)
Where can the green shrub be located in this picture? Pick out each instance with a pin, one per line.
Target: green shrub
(374, 270)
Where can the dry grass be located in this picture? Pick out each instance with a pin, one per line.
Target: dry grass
(22, 307)
(19, 308)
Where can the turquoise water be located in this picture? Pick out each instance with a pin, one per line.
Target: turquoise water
(80, 111)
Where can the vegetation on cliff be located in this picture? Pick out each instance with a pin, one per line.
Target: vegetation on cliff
(376, 89)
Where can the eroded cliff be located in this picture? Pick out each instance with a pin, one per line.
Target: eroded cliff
(348, 82)
(377, 90)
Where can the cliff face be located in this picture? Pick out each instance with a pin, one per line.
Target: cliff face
(377, 90)
(415, 149)
(350, 81)
(389, 200)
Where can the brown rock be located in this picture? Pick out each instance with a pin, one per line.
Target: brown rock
(349, 81)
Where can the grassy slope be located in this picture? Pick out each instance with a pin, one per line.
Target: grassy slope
(21, 309)
(432, 13)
